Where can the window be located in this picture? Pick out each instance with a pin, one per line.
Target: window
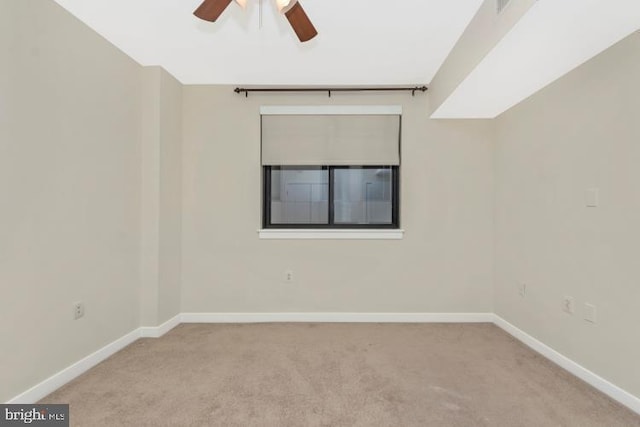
(330, 197)
(332, 167)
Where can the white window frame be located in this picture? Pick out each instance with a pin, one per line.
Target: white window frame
(330, 234)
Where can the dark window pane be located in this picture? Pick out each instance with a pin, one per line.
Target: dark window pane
(363, 195)
(299, 195)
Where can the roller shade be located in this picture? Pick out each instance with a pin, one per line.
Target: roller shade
(330, 140)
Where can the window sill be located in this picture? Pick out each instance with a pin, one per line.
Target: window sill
(342, 234)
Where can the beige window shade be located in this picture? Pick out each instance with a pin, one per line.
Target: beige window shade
(330, 140)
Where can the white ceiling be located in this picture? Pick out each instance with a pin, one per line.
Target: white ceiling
(553, 37)
(363, 42)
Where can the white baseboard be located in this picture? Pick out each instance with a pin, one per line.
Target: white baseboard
(56, 381)
(158, 331)
(611, 390)
(70, 373)
(337, 317)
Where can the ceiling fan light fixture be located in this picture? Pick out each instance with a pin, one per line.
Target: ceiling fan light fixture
(285, 5)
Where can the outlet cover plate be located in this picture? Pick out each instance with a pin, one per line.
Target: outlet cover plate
(568, 305)
(78, 310)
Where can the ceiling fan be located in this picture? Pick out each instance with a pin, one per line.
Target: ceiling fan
(210, 10)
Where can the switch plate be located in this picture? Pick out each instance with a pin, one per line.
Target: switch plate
(590, 312)
(522, 289)
(592, 198)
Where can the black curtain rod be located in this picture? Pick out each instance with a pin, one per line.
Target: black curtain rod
(413, 90)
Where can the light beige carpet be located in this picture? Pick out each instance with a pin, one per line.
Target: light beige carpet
(335, 375)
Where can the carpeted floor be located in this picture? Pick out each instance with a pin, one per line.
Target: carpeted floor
(334, 375)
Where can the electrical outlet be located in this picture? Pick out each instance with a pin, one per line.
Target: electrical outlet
(522, 289)
(288, 276)
(78, 310)
(568, 305)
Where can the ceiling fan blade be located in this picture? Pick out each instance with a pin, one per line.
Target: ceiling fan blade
(210, 10)
(300, 23)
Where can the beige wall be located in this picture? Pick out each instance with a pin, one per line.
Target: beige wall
(443, 264)
(69, 186)
(581, 132)
(170, 202)
(150, 128)
(161, 196)
(7, 43)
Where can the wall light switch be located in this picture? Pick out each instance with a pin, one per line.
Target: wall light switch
(590, 312)
(522, 289)
(592, 197)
